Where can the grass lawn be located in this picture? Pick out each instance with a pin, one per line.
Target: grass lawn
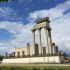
(35, 67)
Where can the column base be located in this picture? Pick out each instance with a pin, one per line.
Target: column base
(34, 55)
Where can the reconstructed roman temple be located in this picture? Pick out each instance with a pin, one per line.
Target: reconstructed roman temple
(36, 53)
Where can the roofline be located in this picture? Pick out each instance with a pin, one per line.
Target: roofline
(42, 20)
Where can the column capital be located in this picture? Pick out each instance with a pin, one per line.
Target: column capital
(53, 44)
(39, 29)
(33, 30)
(47, 28)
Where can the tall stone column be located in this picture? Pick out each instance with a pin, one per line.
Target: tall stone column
(40, 43)
(13, 54)
(47, 45)
(53, 48)
(50, 40)
(33, 44)
(56, 47)
(28, 49)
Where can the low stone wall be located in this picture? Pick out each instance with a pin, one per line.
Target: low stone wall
(47, 59)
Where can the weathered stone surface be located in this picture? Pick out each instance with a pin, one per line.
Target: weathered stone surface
(47, 59)
(36, 51)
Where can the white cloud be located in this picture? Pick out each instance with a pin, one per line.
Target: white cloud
(53, 13)
(22, 34)
(59, 23)
(7, 13)
(61, 30)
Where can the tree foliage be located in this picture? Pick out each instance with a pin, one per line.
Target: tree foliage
(1, 57)
(6, 0)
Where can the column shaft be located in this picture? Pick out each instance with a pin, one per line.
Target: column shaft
(28, 49)
(47, 45)
(56, 49)
(53, 48)
(33, 47)
(50, 41)
(40, 43)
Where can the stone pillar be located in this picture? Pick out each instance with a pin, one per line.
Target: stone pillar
(33, 47)
(6, 55)
(13, 54)
(47, 45)
(40, 43)
(56, 48)
(28, 49)
(50, 40)
(53, 48)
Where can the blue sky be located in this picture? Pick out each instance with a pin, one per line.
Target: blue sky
(22, 8)
(18, 17)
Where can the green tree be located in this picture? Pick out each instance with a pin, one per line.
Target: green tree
(6, 0)
(1, 57)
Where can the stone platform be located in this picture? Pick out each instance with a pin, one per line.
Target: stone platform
(47, 59)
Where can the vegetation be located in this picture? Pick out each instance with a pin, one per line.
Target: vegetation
(6, 0)
(35, 68)
(1, 57)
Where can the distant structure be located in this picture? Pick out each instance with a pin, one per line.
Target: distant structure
(36, 53)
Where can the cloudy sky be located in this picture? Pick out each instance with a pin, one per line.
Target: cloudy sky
(18, 17)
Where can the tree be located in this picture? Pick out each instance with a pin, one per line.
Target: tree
(6, 0)
(1, 57)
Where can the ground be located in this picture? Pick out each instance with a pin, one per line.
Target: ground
(34, 66)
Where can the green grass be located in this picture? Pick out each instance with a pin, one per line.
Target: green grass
(35, 68)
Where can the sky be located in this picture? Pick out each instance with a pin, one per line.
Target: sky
(19, 16)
